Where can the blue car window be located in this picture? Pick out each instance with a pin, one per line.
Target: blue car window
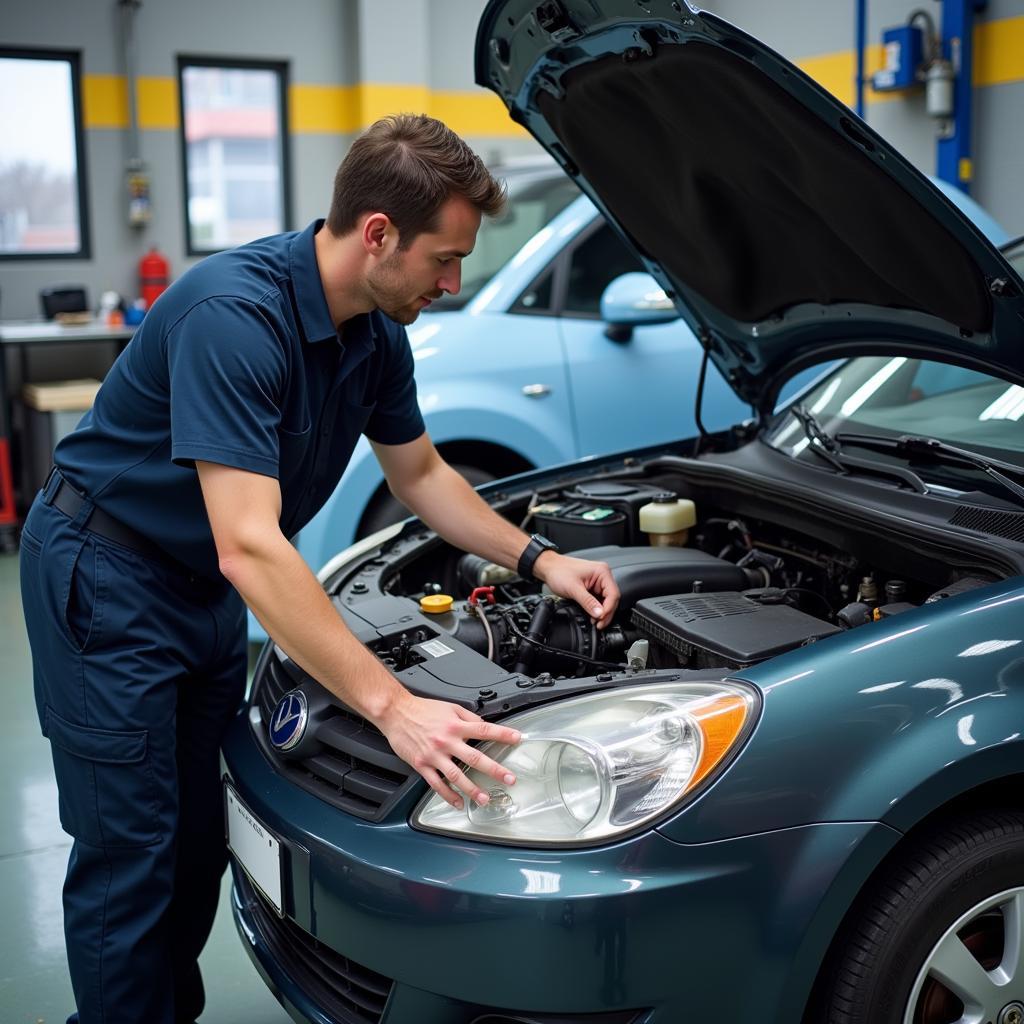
(531, 205)
(536, 298)
(594, 264)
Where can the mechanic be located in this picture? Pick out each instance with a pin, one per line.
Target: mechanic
(218, 433)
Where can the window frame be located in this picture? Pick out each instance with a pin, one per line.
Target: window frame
(74, 58)
(558, 266)
(281, 68)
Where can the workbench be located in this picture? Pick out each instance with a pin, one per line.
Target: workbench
(24, 336)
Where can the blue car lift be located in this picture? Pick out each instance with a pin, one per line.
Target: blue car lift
(954, 155)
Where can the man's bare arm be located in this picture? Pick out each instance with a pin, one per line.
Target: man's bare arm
(244, 510)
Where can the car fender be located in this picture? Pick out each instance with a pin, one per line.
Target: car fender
(886, 722)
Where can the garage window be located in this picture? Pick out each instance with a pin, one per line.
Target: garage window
(234, 127)
(42, 186)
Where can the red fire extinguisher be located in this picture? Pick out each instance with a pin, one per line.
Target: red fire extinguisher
(153, 273)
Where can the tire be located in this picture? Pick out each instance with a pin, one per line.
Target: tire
(953, 903)
(384, 509)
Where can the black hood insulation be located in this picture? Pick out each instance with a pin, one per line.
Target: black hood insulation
(749, 199)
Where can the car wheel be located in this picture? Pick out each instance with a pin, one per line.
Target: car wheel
(941, 937)
(384, 509)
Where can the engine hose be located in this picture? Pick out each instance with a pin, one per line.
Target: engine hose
(487, 629)
(536, 633)
(614, 666)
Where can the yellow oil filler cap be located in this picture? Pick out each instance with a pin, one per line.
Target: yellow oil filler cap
(436, 604)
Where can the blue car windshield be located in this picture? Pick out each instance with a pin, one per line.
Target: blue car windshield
(893, 395)
(533, 200)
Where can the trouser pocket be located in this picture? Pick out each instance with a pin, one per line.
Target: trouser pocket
(108, 793)
(83, 594)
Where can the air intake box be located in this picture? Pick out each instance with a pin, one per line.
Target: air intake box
(711, 630)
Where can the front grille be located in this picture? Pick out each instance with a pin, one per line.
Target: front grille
(356, 770)
(345, 991)
(993, 521)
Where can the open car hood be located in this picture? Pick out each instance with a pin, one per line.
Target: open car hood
(786, 231)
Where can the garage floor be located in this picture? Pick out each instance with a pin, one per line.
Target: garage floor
(34, 983)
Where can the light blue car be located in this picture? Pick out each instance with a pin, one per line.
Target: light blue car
(520, 370)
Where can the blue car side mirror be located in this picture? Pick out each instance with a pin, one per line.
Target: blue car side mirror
(634, 300)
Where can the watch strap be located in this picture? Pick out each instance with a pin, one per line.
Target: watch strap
(537, 546)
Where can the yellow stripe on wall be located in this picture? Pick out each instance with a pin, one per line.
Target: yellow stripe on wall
(344, 109)
(480, 113)
(158, 103)
(323, 109)
(104, 101)
(999, 52)
(312, 109)
(377, 100)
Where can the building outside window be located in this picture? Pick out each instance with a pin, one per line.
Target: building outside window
(233, 140)
(42, 187)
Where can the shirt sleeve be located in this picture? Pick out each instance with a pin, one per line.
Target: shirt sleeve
(226, 370)
(396, 418)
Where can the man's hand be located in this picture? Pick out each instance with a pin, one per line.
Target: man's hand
(589, 584)
(428, 734)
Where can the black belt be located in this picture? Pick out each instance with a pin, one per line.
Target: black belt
(59, 493)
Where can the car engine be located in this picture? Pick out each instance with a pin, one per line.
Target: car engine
(722, 595)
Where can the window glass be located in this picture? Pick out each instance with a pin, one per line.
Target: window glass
(39, 157)
(893, 395)
(596, 262)
(536, 298)
(233, 126)
(532, 201)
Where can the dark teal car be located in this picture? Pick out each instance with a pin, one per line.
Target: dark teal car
(787, 783)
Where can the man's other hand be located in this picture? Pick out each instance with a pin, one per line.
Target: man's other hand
(430, 734)
(589, 584)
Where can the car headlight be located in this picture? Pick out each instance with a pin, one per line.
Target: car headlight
(590, 768)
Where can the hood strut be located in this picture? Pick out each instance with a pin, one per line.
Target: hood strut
(705, 342)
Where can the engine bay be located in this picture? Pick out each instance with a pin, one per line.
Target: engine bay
(725, 592)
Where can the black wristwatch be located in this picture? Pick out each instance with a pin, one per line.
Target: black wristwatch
(537, 546)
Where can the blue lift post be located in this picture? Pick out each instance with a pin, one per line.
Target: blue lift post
(954, 158)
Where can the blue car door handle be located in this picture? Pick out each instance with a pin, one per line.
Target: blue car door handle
(536, 390)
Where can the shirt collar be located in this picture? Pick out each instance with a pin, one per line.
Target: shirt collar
(309, 290)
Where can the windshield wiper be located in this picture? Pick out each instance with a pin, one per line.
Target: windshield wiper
(822, 442)
(829, 447)
(914, 446)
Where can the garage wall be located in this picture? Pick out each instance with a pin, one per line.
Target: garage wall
(349, 62)
(353, 60)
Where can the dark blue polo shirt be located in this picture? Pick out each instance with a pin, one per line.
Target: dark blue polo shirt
(238, 363)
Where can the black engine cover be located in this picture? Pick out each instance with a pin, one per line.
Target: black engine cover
(651, 572)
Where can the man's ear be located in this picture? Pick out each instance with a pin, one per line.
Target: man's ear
(377, 232)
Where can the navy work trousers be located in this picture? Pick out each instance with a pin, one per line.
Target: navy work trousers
(138, 666)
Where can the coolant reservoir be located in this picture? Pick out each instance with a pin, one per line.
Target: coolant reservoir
(667, 520)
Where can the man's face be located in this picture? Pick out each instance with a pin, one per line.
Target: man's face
(404, 282)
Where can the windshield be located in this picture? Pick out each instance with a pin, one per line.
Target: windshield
(893, 395)
(533, 199)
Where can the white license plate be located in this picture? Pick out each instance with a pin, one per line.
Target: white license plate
(254, 847)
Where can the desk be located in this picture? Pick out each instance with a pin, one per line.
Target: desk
(25, 335)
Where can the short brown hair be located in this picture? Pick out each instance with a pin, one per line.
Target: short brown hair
(407, 166)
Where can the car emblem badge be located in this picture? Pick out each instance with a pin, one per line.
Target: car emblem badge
(288, 722)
